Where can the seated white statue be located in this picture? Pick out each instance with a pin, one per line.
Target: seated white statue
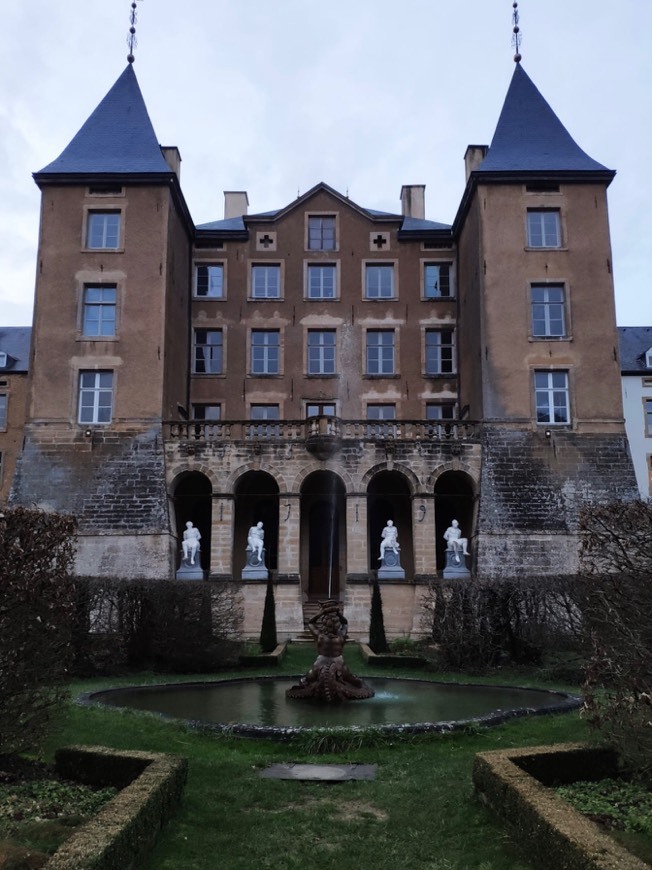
(255, 540)
(389, 537)
(190, 543)
(455, 541)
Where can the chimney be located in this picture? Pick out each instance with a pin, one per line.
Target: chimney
(413, 201)
(474, 156)
(236, 203)
(172, 158)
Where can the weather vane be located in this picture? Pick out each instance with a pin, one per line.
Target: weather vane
(132, 42)
(516, 33)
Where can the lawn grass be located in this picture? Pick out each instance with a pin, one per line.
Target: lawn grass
(419, 812)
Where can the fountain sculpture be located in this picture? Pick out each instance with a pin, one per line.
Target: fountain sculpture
(329, 679)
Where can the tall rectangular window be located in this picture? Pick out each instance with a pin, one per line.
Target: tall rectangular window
(321, 233)
(381, 412)
(440, 352)
(543, 228)
(265, 352)
(648, 418)
(379, 281)
(380, 352)
(321, 351)
(264, 412)
(437, 280)
(206, 412)
(103, 229)
(208, 349)
(440, 411)
(551, 397)
(320, 409)
(321, 281)
(548, 311)
(95, 397)
(4, 401)
(209, 280)
(99, 311)
(266, 281)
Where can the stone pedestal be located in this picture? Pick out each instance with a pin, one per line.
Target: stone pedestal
(456, 566)
(255, 568)
(190, 572)
(390, 566)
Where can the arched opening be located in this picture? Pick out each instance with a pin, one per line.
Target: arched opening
(323, 534)
(256, 500)
(453, 501)
(193, 503)
(388, 498)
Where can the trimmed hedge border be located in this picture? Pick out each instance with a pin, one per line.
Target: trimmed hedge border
(390, 660)
(126, 827)
(264, 660)
(515, 784)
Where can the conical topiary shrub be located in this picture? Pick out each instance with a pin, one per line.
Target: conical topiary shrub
(268, 629)
(377, 639)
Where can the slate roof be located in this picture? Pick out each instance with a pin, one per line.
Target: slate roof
(15, 342)
(634, 342)
(530, 137)
(117, 138)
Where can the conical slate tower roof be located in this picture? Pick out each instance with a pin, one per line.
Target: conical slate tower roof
(118, 138)
(531, 138)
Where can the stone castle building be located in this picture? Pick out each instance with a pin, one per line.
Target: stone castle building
(324, 367)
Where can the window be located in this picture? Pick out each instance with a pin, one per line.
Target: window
(321, 233)
(209, 281)
(103, 229)
(208, 352)
(379, 281)
(321, 281)
(381, 412)
(95, 397)
(2, 468)
(437, 280)
(648, 359)
(264, 412)
(321, 351)
(320, 409)
(3, 359)
(99, 311)
(648, 418)
(551, 397)
(4, 401)
(265, 352)
(440, 411)
(266, 281)
(380, 352)
(543, 229)
(207, 412)
(548, 311)
(440, 352)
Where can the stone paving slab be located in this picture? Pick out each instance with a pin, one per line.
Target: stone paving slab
(320, 772)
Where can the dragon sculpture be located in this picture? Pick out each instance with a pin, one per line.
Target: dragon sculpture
(329, 679)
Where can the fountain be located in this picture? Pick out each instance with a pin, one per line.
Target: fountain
(329, 679)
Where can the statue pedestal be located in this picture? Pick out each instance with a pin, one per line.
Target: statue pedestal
(190, 572)
(255, 568)
(390, 566)
(455, 566)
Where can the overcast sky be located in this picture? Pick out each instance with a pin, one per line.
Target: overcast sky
(366, 95)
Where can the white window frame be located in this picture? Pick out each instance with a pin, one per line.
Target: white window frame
(428, 265)
(541, 310)
(106, 307)
(319, 235)
(540, 233)
(214, 352)
(321, 354)
(439, 355)
(4, 411)
(105, 232)
(262, 287)
(214, 283)
(96, 385)
(265, 356)
(647, 416)
(373, 281)
(199, 412)
(552, 394)
(320, 269)
(380, 355)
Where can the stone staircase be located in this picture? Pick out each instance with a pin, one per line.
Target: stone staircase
(310, 609)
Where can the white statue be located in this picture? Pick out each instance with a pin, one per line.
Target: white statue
(190, 543)
(455, 541)
(389, 540)
(255, 540)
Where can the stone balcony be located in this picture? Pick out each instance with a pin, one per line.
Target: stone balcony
(323, 435)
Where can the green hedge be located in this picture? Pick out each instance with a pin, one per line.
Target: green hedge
(127, 826)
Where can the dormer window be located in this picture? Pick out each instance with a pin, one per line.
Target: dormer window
(3, 360)
(648, 359)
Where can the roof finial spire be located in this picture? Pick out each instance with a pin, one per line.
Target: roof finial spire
(132, 42)
(516, 33)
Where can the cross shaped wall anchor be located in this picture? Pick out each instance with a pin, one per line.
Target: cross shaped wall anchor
(266, 241)
(380, 241)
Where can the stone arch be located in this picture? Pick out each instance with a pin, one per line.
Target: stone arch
(312, 467)
(454, 491)
(182, 471)
(256, 495)
(463, 467)
(322, 533)
(412, 479)
(389, 497)
(192, 497)
(272, 469)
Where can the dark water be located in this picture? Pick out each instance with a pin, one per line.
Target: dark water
(263, 702)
